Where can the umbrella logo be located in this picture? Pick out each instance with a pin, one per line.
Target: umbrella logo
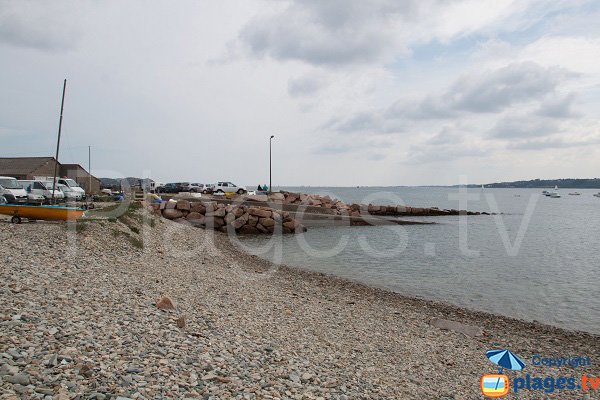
(498, 385)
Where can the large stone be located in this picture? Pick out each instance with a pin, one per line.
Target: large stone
(261, 228)
(276, 216)
(171, 204)
(214, 222)
(277, 196)
(210, 206)
(183, 205)
(257, 197)
(266, 222)
(219, 212)
(291, 197)
(194, 216)
(252, 220)
(291, 225)
(172, 213)
(248, 229)
(230, 217)
(239, 222)
(198, 207)
(238, 212)
(165, 303)
(258, 212)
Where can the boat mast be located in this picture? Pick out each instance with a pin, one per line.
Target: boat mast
(62, 105)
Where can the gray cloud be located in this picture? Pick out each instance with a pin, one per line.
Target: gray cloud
(488, 92)
(306, 85)
(519, 127)
(558, 107)
(20, 30)
(327, 32)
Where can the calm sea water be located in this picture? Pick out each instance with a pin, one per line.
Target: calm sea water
(549, 273)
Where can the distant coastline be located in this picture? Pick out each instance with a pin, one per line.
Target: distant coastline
(570, 183)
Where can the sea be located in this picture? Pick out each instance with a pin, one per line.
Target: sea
(537, 259)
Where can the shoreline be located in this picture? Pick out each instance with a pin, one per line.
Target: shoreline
(442, 307)
(250, 329)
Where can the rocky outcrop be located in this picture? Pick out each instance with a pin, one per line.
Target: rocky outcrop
(241, 218)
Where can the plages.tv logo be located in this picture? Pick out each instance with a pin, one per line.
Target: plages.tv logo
(498, 385)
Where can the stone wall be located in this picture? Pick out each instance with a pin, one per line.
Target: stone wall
(221, 217)
(338, 207)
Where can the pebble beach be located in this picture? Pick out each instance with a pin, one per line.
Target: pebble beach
(79, 320)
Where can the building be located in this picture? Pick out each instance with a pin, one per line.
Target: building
(81, 176)
(32, 167)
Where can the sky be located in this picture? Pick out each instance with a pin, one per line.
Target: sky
(379, 92)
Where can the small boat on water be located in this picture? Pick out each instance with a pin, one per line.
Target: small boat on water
(597, 194)
(555, 194)
(575, 194)
(47, 213)
(546, 193)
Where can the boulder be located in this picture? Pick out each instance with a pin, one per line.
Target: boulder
(214, 222)
(277, 196)
(291, 225)
(257, 197)
(163, 205)
(171, 204)
(198, 207)
(248, 229)
(171, 213)
(238, 212)
(194, 216)
(252, 220)
(261, 228)
(219, 212)
(183, 205)
(210, 206)
(239, 222)
(266, 222)
(258, 212)
(165, 303)
(401, 209)
(230, 217)
(355, 213)
(291, 197)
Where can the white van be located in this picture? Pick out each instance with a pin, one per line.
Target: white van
(74, 186)
(71, 183)
(12, 190)
(42, 188)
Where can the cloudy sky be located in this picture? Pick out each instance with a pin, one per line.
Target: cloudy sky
(379, 92)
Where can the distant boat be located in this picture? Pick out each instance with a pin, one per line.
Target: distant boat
(597, 194)
(555, 194)
(546, 193)
(575, 194)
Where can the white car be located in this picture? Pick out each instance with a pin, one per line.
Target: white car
(228, 187)
(12, 190)
(74, 186)
(42, 188)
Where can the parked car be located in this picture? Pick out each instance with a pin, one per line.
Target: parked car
(42, 188)
(74, 186)
(12, 190)
(169, 188)
(197, 187)
(70, 194)
(228, 187)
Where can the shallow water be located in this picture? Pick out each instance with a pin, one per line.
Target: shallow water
(552, 275)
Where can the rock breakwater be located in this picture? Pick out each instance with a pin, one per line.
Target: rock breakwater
(227, 217)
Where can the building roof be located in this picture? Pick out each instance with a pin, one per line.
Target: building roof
(22, 165)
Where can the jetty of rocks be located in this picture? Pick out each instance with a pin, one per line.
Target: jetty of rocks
(226, 217)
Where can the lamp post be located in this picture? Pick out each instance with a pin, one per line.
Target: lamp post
(270, 169)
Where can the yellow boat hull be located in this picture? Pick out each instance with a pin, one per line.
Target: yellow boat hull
(47, 213)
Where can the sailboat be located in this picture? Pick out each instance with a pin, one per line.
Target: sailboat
(555, 194)
(597, 194)
(51, 212)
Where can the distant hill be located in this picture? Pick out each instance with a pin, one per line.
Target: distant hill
(571, 183)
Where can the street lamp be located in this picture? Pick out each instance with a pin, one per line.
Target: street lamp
(270, 171)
